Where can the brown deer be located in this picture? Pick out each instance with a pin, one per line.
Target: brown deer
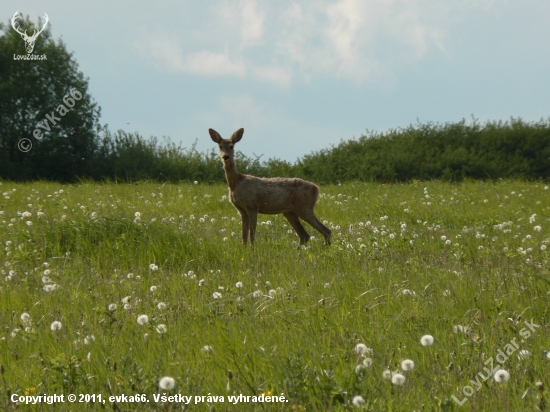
(294, 198)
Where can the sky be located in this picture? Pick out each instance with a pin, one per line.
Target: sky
(300, 76)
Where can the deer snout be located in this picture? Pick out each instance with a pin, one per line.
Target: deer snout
(225, 157)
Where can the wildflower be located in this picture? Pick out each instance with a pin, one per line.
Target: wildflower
(25, 318)
(167, 383)
(358, 401)
(501, 376)
(239, 285)
(153, 267)
(127, 306)
(362, 349)
(272, 293)
(386, 374)
(161, 328)
(409, 292)
(217, 295)
(524, 354)
(130, 275)
(360, 368)
(196, 182)
(153, 288)
(125, 300)
(47, 272)
(407, 365)
(427, 340)
(56, 325)
(50, 287)
(161, 305)
(29, 223)
(398, 379)
(201, 282)
(142, 319)
(207, 348)
(256, 294)
(537, 228)
(543, 247)
(368, 362)
(111, 307)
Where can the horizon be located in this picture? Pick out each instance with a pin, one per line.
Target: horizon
(298, 76)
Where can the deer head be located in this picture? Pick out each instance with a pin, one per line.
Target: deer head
(227, 150)
(29, 40)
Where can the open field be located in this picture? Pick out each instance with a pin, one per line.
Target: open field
(465, 263)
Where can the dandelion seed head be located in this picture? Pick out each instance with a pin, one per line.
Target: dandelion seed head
(407, 365)
(153, 288)
(427, 340)
(161, 306)
(167, 383)
(161, 328)
(368, 362)
(524, 354)
(501, 376)
(358, 401)
(56, 325)
(142, 319)
(217, 295)
(239, 285)
(398, 379)
(112, 307)
(386, 374)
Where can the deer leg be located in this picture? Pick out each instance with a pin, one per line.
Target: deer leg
(297, 225)
(253, 219)
(310, 218)
(245, 220)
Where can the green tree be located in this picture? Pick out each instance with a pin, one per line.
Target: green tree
(32, 94)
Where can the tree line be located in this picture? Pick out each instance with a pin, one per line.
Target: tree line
(37, 108)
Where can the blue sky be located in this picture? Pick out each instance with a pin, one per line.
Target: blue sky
(300, 76)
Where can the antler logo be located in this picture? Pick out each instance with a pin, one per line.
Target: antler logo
(29, 40)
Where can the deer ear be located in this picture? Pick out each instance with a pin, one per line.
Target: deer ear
(238, 135)
(215, 135)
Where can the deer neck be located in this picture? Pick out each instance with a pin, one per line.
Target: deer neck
(232, 174)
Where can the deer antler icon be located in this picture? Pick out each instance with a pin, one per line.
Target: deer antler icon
(29, 40)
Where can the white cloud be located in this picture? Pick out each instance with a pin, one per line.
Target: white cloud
(361, 40)
(213, 64)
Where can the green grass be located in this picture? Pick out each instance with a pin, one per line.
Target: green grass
(388, 279)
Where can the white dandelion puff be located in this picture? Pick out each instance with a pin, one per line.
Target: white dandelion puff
(501, 376)
(153, 267)
(368, 362)
(358, 401)
(361, 348)
(161, 328)
(207, 349)
(427, 340)
(56, 325)
(524, 354)
(142, 319)
(407, 365)
(153, 288)
(217, 295)
(112, 307)
(398, 379)
(167, 383)
(386, 374)
(161, 306)
(239, 285)
(50, 287)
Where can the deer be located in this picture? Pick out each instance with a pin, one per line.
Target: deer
(294, 198)
(29, 40)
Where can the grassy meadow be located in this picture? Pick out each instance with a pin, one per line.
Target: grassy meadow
(465, 263)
